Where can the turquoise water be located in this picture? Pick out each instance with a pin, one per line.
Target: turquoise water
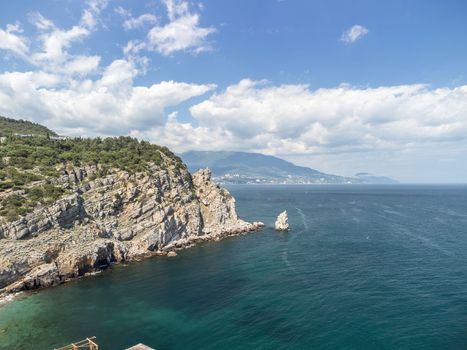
(364, 267)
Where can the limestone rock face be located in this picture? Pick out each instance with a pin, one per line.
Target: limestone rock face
(111, 219)
(282, 222)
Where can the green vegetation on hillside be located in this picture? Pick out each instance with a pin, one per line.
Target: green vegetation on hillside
(11, 207)
(124, 153)
(31, 165)
(10, 126)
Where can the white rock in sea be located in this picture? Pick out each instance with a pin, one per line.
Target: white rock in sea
(282, 222)
(172, 253)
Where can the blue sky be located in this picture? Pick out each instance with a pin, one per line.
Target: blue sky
(341, 86)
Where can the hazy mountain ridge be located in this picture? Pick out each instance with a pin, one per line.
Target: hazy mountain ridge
(244, 168)
(230, 167)
(375, 179)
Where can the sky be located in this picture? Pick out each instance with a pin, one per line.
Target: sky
(340, 86)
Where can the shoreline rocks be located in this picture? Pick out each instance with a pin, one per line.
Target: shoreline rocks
(282, 222)
(115, 219)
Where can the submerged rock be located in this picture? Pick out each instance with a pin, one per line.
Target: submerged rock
(282, 222)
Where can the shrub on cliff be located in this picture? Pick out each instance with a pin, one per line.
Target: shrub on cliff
(10, 126)
(29, 164)
(125, 153)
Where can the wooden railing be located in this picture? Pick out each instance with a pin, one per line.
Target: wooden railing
(88, 343)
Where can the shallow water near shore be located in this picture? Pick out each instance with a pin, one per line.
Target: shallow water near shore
(364, 267)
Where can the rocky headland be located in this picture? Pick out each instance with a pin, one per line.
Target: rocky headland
(117, 217)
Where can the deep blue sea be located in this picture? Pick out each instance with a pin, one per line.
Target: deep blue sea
(364, 267)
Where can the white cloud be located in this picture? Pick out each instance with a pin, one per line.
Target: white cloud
(182, 33)
(351, 35)
(82, 65)
(133, 47)
(112, 104)
(72, 93)
(184, 136)
(53, 43)
(13, 42)
(90, 15)
(131, 22)
(14, 28)
(294, 119)
(138, 22)
(40, 22)
(176, 8)
(122, 12)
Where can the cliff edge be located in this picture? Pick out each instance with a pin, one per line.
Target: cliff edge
(111, 217)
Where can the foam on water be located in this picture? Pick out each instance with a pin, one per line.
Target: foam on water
(423, 240)
(303, 217)
(294, 236)
(7, 298)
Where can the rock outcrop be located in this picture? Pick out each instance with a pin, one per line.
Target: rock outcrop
(282, 221)
(115, 218)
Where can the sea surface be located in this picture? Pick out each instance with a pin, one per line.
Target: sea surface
(364, 267)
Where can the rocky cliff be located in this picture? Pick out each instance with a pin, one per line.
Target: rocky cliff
(282, 222)
(114, 218)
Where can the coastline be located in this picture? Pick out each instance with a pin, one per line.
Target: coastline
(117, 218)
(7, 296)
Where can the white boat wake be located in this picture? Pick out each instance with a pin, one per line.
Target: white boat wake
(285, 253)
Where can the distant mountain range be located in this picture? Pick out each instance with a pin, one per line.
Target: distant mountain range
(248, 168)
(375, 179)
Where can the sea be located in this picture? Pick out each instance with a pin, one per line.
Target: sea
(363, 267)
